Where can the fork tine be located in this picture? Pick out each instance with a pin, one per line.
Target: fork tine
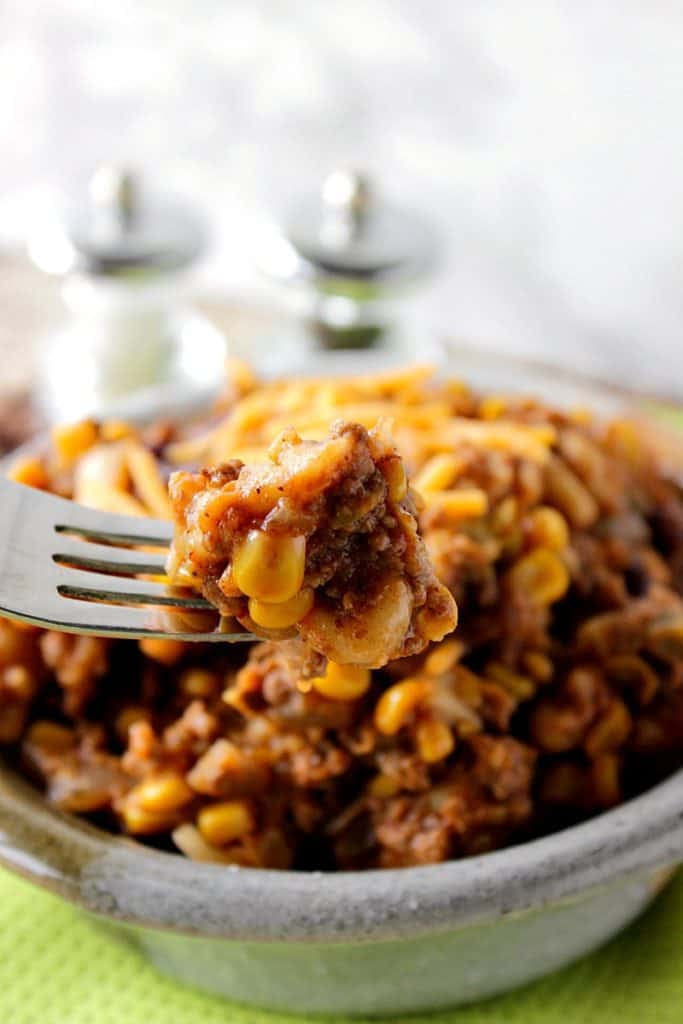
(155, 538)
(30, 578)
(110, 527)
(121, 621)
(130, 597)
(75, 551)
(76, 583)
(108, 568)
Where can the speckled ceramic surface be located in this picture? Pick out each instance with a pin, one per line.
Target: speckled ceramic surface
(380, 942)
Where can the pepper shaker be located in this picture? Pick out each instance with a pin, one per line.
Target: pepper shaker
(130, 343)
(345, 261)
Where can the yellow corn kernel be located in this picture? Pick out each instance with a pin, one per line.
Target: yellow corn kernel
(548, 528)
(50, 736)
(383, 786)
(223, 823)
(434, 740)
(342, 682)
(436, 625)
(438, 473)
(18, 682)
(161, 793)
(116, 430)
(283, 615)
(397, 704)
(443, 657)
(138, 821)
(29, 471)
(167, 652)
(395, 476)
(538, 665)
(463, 503)
(198, 683)
(519, 686)
(70, 440)
(492, 407)
(506, 514)
(542, 575)
(270, 567)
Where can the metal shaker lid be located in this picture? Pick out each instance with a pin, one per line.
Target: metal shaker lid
(350, 231)
(120, 229)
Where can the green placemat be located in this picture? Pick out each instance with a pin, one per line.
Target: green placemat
(55, 968)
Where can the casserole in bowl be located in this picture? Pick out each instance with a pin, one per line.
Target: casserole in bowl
(332, 914)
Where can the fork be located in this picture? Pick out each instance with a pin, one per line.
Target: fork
(76, 569)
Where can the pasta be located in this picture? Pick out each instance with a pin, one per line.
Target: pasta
(560, 693)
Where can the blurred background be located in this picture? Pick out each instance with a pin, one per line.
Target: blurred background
(544, 139)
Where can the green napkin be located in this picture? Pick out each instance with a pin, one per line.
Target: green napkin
(55, 968)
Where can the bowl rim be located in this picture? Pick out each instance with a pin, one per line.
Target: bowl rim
(118, 878)
(115, 877)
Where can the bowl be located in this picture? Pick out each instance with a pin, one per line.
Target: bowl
(382, 942)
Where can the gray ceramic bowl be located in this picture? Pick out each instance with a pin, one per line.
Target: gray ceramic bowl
(376, 942)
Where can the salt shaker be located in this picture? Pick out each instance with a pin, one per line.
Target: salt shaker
(347, 260)
(130, 343)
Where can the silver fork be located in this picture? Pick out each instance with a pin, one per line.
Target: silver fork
(75, 569)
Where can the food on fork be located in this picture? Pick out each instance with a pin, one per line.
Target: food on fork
(319, 539)
(560, 694)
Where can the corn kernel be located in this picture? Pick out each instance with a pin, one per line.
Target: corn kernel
(383, 786)
(116, 430)
(73, 439)
(492, 407)
(270, 567)
(167, 652)
(198, 683)
(161, 793)
(443, 657)
(223, 823)
(541, 575)
(538, 665)
(438, 473)
(283, 615)
(434, 740)
(397, 704)
(29, 471)
(463, 503)
(436, 625)
(548, 528)
(342, 682)
(505, 516)
(395, 476)
(138, 821)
